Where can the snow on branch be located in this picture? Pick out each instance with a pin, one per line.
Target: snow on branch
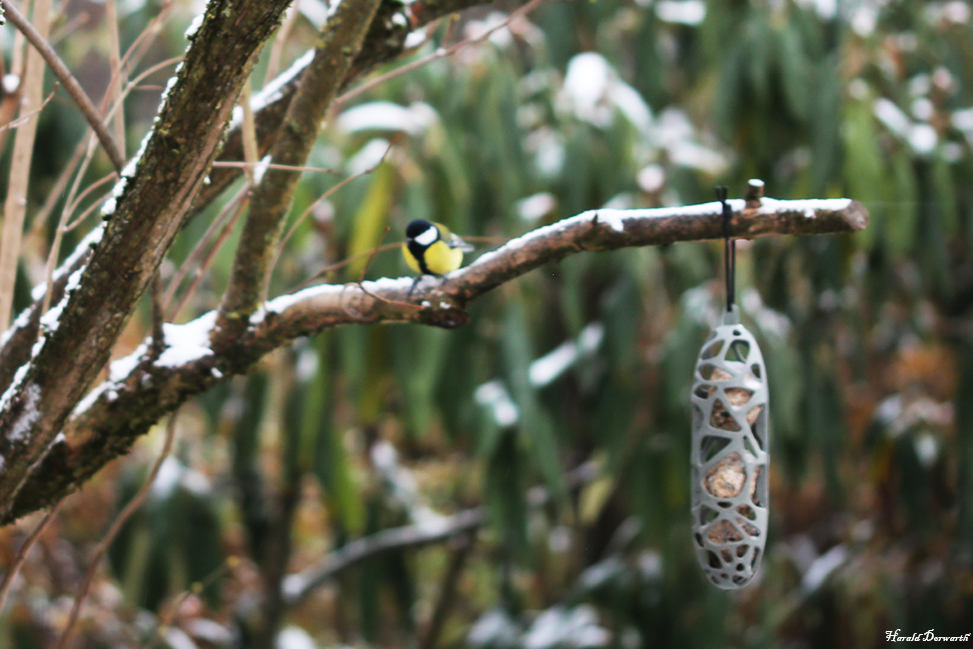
(142, 389)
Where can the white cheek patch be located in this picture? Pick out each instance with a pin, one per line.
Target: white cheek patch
(427, 237)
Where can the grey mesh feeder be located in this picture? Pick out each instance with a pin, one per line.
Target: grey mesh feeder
(730, 447)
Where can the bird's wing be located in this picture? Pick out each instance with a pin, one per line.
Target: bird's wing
(456, 242)
(452, 240)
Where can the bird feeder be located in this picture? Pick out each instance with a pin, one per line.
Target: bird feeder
(730, 455)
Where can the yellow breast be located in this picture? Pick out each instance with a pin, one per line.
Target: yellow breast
(441, 259)
(410, 260)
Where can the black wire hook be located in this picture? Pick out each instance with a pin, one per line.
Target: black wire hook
(729, 248)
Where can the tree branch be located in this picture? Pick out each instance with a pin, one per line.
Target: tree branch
(28, 96)
(142, 389)
(385, 40)
(298, 586)
(340, 41)
(71, 84)
(151, 201)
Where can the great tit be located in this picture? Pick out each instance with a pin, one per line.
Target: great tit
(430, 248)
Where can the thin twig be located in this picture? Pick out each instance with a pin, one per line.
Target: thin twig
(83, 146)
(364, 270)
(144, 40)
(326, 195)
(116, 527)
(69, 27)
(118, 74)
(71, 84)
(375, 250)
(341, 264)
(438, 54)
(207, 261)
(277, 49)
(26, 116)
(9, 105)
(279, 167)
(210, 256)
(230, 211)
(55, 250)
(18, 59)
(55, 194)
(170, 612)
(15, 206)
(97, 203)
(8, 578)
(370, 254)
(133, 84)
(87, 190)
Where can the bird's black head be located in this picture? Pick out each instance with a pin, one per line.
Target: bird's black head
(417, 227)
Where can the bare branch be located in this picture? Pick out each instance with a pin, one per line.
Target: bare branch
(15, 205)
(298, 586)
(170, 611)
(14, 568)
(151, 202)
(297, 222)
(340, 41)
(26, 116)
(248, 165)
(113, 531)
(39, 41)
(113, 415)
(234, 209)
(250, 148)
(441, 53)
(277, 49)
(68, 28)
(117, 77)
(385, 41)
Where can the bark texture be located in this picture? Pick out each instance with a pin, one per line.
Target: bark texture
(155, 194)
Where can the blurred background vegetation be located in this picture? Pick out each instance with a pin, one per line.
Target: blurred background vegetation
(868, 340)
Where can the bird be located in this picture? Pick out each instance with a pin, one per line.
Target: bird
(431, 249)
